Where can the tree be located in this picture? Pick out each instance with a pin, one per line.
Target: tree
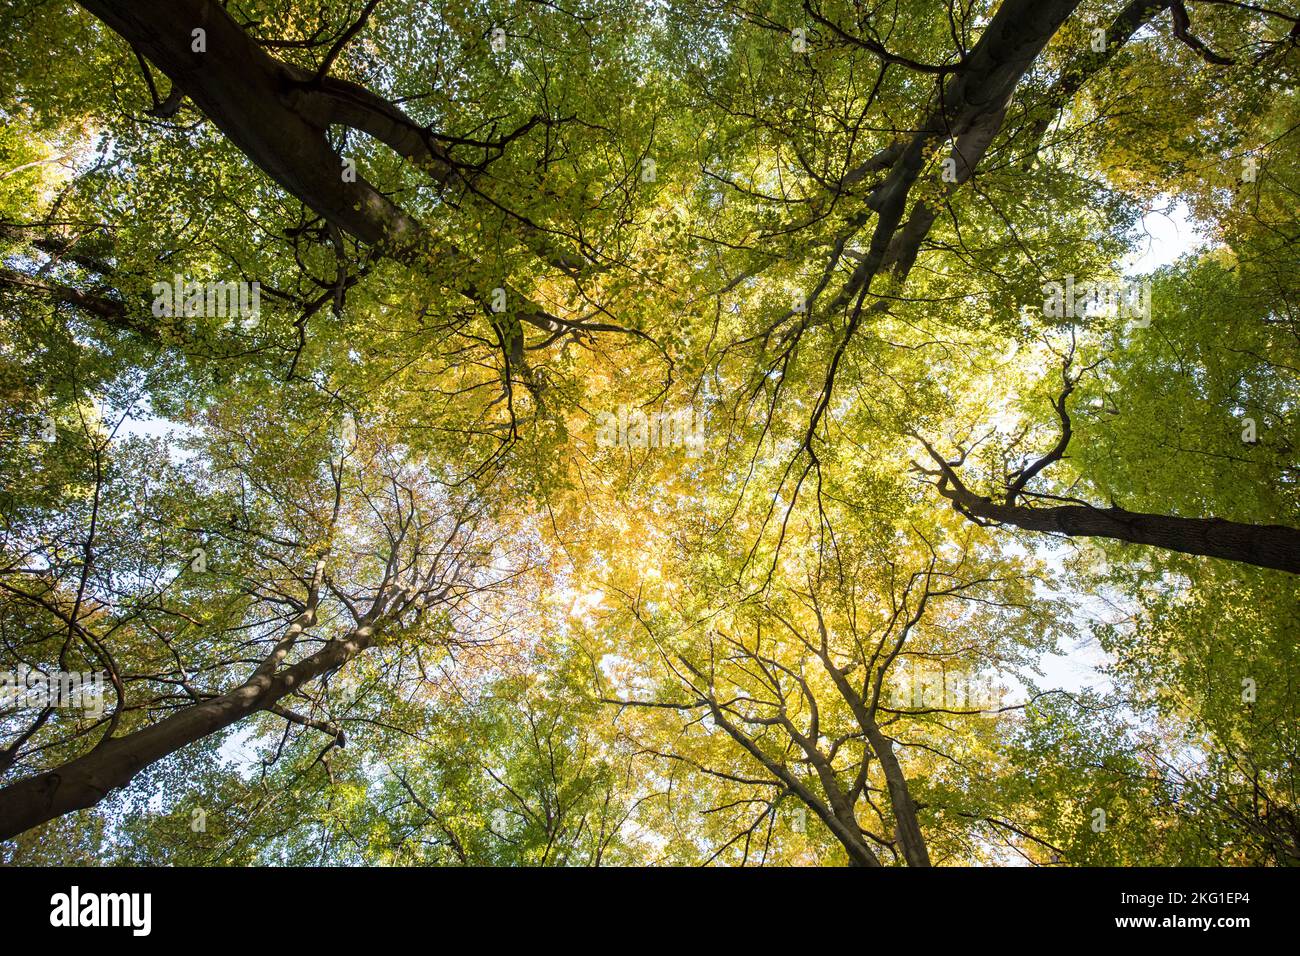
(645, 417)
(413, 556)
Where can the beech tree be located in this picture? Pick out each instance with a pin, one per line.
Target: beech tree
(369, 576)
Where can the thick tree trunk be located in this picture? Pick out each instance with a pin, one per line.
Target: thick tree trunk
(249, 94)
(115, 762)
(1263, 545)
(908, 828)
(911, 839)
(277, 114)
(970, 112)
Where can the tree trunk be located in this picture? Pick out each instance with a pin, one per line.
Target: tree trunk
(115, 762)
(277, 115)
(248, 94)
(908, 827)
(1263, 545)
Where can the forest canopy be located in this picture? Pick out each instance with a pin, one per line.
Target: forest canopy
(681, 432)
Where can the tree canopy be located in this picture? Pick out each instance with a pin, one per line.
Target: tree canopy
(693, 432)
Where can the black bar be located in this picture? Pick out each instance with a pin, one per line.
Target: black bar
(542, 907)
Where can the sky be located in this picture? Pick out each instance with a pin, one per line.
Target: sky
(1167, 233)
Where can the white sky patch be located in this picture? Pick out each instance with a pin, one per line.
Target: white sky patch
(1078, 669)
(1166, 233)
(240, 750)
(143, 424)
